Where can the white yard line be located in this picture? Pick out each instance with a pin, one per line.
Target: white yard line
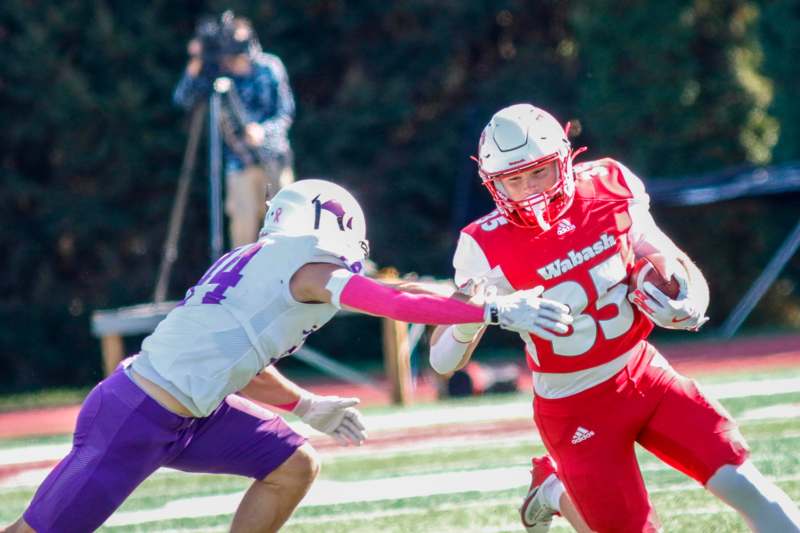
(33, 454)
(34, 477)
(331, 492)
(435, 416)
(783, 410)
(743, 389)
(325, 492)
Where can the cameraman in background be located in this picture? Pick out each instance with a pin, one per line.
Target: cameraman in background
(256, 113)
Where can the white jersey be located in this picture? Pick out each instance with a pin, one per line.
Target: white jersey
(238, 319)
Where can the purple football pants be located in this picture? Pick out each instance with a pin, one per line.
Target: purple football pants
(122, 436)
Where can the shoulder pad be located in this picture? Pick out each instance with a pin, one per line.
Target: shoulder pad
(610, 180)
(488, 222)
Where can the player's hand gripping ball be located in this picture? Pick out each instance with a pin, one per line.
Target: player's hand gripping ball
(660, 272)
(659, 288)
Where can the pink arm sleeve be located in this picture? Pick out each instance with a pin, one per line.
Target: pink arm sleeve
(363, 294)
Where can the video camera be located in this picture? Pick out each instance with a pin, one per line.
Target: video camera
(219, 37)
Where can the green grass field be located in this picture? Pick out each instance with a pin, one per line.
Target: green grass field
(769, 422)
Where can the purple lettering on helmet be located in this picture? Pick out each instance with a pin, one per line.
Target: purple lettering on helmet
(336, 208)
(333, 207)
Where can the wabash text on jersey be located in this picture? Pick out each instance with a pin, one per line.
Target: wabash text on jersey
(584, 261)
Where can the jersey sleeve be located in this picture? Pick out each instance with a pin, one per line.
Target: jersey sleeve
(635, 186)
(646, 237)
(469, 261)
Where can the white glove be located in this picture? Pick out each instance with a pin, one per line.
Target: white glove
(527, 311)
(665, 312)
(334, 416)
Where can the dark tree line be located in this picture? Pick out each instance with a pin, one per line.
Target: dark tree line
(391, 97)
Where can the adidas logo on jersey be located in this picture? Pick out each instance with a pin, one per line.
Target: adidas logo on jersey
(576, 257)
(564, 226)
(581, 434)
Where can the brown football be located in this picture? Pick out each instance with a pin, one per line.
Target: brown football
(655, 268)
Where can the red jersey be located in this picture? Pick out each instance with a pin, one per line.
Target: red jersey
(583, 261)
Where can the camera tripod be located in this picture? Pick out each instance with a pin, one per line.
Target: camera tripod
(223, 91)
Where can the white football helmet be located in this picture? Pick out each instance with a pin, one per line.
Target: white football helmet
(517, 139)
(324, 209)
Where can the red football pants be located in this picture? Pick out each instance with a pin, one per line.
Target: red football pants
(591, 436)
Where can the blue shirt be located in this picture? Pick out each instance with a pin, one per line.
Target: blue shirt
(266, 98)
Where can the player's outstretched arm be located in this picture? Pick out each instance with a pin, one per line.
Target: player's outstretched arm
(452, 346)
(332, 415)
(273, 388)
(519, 311)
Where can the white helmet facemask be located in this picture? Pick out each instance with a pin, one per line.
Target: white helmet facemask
(325, 210)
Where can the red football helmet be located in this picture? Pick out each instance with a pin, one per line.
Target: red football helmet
(518, 139)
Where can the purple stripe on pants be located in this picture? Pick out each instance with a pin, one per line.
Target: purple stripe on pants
(122, 436)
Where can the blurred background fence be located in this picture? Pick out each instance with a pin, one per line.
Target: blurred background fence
(391, 98)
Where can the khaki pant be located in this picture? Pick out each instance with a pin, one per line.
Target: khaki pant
(246, 194)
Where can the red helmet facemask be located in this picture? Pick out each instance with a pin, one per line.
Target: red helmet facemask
(539, 210)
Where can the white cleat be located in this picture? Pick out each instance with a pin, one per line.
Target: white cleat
(536, 515)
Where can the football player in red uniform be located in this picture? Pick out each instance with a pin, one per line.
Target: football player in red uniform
(575, 233)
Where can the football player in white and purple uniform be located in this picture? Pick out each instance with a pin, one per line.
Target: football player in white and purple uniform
(185, 400)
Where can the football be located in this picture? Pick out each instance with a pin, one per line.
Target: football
(658, 270)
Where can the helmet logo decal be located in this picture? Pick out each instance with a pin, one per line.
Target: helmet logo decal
(277, 214)
(332, 206)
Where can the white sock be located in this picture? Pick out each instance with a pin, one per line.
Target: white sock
(552, 489)
(764, 506)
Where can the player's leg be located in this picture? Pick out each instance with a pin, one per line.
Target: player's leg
(269, 502)
(119, 441)
(698, 437)
(546, 498)
(20, 526)
(570, 512)
(608, 493)
(591, 438)
(245, 439)
(763, 505)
